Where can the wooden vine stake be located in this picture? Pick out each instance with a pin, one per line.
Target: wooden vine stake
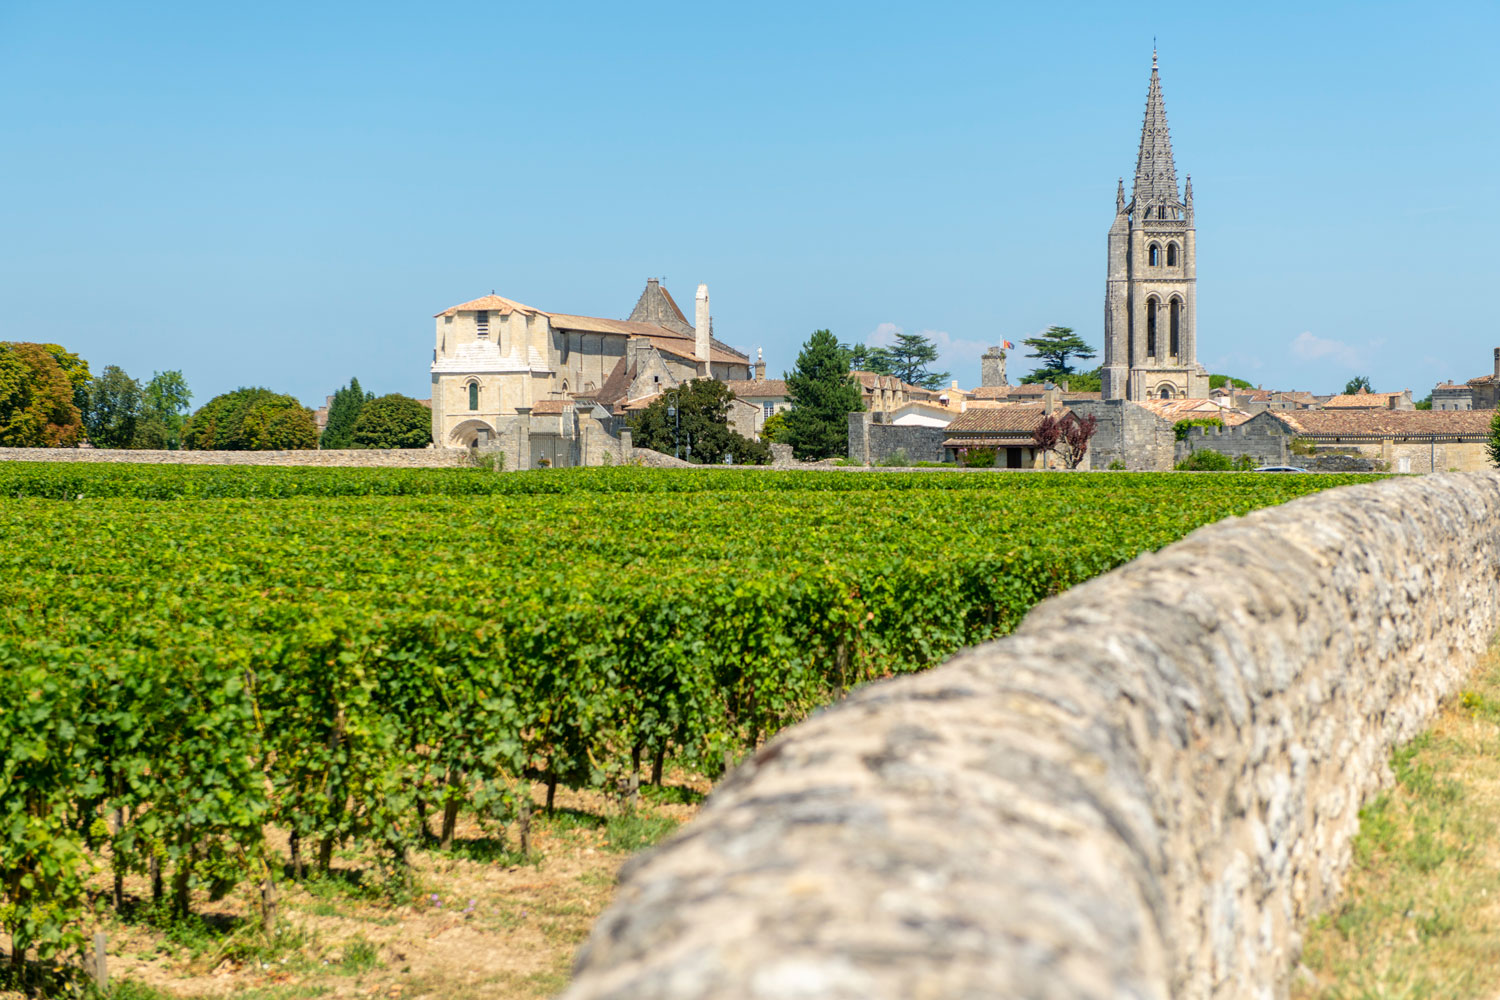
(99, 967)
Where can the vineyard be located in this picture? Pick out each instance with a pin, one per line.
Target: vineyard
(192, 655)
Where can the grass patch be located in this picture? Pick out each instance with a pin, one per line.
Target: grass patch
(634, 831)
(1420, 915)
(358, 957)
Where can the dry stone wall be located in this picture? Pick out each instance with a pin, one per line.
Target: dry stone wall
(395, 458)
(1145, 792)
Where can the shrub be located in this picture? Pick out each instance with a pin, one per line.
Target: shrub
(251, 419)
(895, 460)
(774, 431)
(978, 458)
(1116, 466)
(1182, 427)
(393, 421)
(1205, 461)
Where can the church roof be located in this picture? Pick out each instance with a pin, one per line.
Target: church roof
(656, 305)
(1363, 400)
(491, 302)
(1155, 170)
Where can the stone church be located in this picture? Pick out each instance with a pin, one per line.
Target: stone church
(1150, 301)
(497, 363)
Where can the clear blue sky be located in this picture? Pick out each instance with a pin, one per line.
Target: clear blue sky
(284, 193)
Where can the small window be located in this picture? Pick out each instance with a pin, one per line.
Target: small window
(1171, 254)
(473, 395)
(482, 321)
(770, 409)
(1155, 255)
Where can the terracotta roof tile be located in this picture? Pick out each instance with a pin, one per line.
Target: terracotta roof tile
(1021, 418)
(1386, 423)
(1361, 401)
(493, 303)
(551, 406)
(757, 387)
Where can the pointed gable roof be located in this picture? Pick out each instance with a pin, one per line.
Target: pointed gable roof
(657, 306)
(1155, 170)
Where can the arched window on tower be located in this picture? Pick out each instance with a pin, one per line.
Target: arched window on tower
(1166, 392)
(473, 395)
(1171, 254)
(1154, 255)
(1175, 325)
(1151, 327)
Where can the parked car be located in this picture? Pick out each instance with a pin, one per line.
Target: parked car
(1279, 468)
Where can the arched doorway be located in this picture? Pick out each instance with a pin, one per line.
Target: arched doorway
(467, 433)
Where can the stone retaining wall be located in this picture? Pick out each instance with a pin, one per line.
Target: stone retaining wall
(1145, 792)
(395, 458)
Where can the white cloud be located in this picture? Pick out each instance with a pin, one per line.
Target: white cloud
(1308, 347)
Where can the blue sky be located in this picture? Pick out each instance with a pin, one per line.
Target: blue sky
(284, 193)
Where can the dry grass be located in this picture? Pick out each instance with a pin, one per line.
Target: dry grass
(1420, 916)
(476, 921)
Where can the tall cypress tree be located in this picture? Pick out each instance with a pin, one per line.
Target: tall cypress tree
(823, 395)
(342, 413)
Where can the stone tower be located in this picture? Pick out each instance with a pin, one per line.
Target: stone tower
(992, 367)
(1150, 299)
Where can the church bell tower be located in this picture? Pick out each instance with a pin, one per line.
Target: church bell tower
(1150, 299)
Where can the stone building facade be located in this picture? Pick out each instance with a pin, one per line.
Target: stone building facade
(494, 360)
(1150, 303)
(992, 368)
(1480, 393)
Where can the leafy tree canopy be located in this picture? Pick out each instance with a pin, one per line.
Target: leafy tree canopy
(774, 430)
(1494, 444)
(113, 409)
(1089, 381)
(343, 411)
(251, 419)
(1357, 384)
(823, 395)
(1219, 381)
(907, 359)
(164, 401)
(37, 407)
(393, 421)
(75, 368)
(700, 429)
(1056, 348)
(1425, 403)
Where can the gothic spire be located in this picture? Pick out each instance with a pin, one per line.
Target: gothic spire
(1155, 173)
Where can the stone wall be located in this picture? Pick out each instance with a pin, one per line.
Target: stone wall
(1145, 792)
(1128, 433)
(871, 440)
(396, 458)
(1263, 438)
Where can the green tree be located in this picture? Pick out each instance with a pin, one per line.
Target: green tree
(343, 411)
(112, 409)
(1494, 446)
(1056, 348)
(37, 408)
(75, 368)
(1359, 383)
(774, 430)
(1089, 381)
(1219, 381)
(251, 419)
(906, 359)
(700, 429)
(1425, 403)
(393, 421)
(823, 395)
(164, 401)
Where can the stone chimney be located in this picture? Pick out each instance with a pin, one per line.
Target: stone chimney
(702, 331)
(760, 365)
(1497, 362)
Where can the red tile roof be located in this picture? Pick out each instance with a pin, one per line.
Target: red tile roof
(1022, 418)
(551, 406)
(1387, 423)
